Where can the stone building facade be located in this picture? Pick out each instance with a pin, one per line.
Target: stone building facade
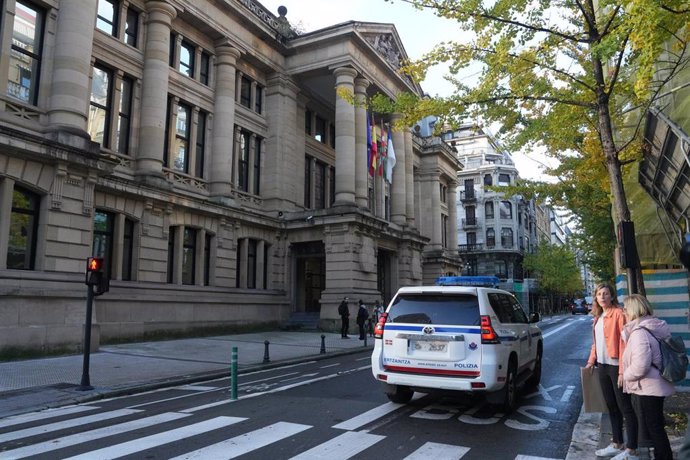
(206, 151)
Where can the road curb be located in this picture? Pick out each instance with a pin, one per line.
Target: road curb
(586, 434)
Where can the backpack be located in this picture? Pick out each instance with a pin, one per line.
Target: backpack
(674, 360)
(342, 308)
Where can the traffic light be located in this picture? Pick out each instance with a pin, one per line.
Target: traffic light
(96, 276)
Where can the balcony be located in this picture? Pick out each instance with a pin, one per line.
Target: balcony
(468, 196)
(474, 247)
(469, 222)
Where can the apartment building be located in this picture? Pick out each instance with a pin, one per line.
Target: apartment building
(206, 151)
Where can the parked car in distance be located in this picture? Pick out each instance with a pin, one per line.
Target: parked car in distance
(462, 339)
(579, 307)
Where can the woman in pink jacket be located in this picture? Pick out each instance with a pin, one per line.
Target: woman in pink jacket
(607, 350)
(641, 376)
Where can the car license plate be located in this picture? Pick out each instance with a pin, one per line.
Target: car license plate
(426, 345)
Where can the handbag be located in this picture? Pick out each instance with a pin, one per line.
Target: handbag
(592, 396)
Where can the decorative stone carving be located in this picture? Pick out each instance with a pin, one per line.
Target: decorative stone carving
(89, 186)
(387, 47)
(58, 185)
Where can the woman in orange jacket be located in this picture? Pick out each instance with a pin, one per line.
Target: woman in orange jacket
(607, 350)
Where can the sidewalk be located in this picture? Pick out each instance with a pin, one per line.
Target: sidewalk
(31, 385)
(36, 384)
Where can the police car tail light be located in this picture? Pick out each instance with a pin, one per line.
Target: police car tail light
(488, 333)
(378, 330)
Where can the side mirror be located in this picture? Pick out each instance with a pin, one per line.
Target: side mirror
(534, 317)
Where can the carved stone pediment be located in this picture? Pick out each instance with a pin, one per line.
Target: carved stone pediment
(387, 47)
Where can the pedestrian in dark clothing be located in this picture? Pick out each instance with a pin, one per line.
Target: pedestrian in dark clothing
(362, 316)
(344, 312)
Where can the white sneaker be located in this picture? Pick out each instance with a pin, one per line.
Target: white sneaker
(610, 451)
(625, 455)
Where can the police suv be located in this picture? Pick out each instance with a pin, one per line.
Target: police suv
(464, 338)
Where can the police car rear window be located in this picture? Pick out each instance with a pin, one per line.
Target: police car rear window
(456, 309)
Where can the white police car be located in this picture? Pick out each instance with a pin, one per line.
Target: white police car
(464, 338)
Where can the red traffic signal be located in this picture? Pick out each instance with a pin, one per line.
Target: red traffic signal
(94, 264)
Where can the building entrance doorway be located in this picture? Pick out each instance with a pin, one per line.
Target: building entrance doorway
(310, 276)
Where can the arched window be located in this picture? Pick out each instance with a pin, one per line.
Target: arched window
(488, 180)
(506, 210)
(507, 237)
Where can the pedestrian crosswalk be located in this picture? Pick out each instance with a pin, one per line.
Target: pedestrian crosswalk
(130, 432)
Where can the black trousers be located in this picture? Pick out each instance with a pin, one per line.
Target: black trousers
(345, 325)
(650, 416)
(620, 407)
(362, 333)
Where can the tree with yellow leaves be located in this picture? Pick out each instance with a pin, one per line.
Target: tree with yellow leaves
(555, 73)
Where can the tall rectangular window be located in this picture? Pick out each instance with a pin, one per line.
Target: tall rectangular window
(243, 173)
(21, 248)
(506, 210)
(200, 144)
(25, 53)
(307, 182)
(187, 59)
(251, 264)
(320, 186)
(171, 253)
(204, 67)
(100, 106)
(207, 259)
(507, 237)
(127, 249)
(320, 131)
(331, 185)
(188, 255)
(132, 27)
(257, 166)
(124, 118)
(258, 101)
(103, 233)
(106, 20)
(490, 238)
(246, 92)
(503, 179)
(180, 150)
(307, 122)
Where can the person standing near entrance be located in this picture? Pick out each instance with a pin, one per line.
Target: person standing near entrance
(344, 312)
(362, 316)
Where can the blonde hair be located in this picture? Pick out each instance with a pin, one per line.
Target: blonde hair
(637, 306)
(597, 309)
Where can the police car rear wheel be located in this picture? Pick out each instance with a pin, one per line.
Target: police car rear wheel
(401, 395)
(510, 390)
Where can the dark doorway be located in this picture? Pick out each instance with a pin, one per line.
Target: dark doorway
(310, 275)
(384, 277)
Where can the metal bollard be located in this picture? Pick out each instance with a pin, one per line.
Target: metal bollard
(323, 344)
(266, 358)
(233, 375)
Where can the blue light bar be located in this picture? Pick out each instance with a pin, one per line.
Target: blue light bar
(477, 281)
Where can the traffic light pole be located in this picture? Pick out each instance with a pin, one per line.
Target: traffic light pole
(85, 381)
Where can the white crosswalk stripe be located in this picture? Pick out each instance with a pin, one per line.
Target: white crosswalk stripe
(155, 440)
(44, 414)
(25, 433)
(79, 438)
(438, 451)
(240, 445)
(342, 447)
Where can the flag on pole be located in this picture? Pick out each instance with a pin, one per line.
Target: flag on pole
(390, 160)
(374, 157)
(382, 151)
(369, 149)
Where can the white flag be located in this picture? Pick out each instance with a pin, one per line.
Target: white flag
(390, 160)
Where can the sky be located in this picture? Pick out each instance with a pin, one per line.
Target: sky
(418, 30)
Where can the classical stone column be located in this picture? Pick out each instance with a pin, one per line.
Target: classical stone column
(409, 178)
(453, 217)
(199, 262)
(361, 167)
(398, 186)
(224, 120)
(154, 94)
(260, 255)
(251, 163)
(344, 138)
(242, 247)
(436, 242)
(69, 98)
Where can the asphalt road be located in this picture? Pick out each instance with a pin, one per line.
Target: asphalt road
(327, 409)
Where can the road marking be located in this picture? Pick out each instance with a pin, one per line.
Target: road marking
(240, 445)
(363, 359)
(65, 424)
(196, 388)
(544, 392)
(341, 447)
(155, 440)
(87, 436)
(44, 414)
(438, 451)
(567, 393)
(553, 331)
(275, 390)
(300, 377)
(526, 411)
(330, 365)
(368, 416)
(530, 457)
